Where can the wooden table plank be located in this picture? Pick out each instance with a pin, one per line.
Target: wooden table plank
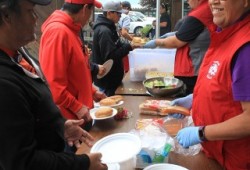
(130, 87)
(106, 127)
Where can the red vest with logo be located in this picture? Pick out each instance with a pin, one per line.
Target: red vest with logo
(213, 99)
(183, 63)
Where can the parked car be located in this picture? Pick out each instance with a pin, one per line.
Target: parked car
(137, 21)
(141, 15)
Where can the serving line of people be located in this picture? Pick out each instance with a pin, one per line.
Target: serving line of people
(34, 130)
(31, 124)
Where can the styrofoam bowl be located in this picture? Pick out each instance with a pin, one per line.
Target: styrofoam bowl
(164, 166)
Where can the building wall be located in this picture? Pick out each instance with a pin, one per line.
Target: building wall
(176, 12)
(43, 12)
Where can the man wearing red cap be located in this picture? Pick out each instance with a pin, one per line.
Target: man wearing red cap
(64, 61)
(81, 2)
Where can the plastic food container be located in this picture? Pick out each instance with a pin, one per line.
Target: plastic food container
(143, 60)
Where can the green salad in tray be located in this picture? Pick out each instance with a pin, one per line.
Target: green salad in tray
(159, 84)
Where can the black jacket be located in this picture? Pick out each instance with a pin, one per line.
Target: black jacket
(31, 126)
(107, 45)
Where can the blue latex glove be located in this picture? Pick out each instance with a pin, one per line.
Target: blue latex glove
(188, 136)
(169, 34)
(150, 44)
(184, 102)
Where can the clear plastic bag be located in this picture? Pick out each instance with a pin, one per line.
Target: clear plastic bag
(192, 150)
(156, 143)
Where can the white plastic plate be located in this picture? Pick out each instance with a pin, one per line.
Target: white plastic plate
(115, 105)
(164, 166)
(118, 147)
(115, 166)
(92, 114)
(107, 65)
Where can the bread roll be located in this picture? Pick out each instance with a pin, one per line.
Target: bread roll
(107, 102)
(136, 40)
(148, 110)
(117, 98)
(174, 109)
(143, 40)
(103, 112)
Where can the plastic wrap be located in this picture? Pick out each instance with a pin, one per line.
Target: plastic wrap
(156, 143)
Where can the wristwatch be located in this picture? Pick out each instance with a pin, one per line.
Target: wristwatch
(202, 133)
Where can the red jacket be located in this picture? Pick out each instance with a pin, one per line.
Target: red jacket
(65, 65)
(213, 99)
(183, 63)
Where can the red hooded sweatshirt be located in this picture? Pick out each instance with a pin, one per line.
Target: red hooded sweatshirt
(65, 65)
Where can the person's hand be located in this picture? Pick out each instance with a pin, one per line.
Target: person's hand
(75, 135)
(99, 96)
(83, 113)
(169, 34)
(95, 162)
(188, 136)
(150, 44)
(87, 50)
(102, 70)
(135, 46)
(184, 102)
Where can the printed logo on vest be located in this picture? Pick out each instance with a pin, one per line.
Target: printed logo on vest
(213, 69)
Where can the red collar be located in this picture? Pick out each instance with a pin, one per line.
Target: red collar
(8, 51)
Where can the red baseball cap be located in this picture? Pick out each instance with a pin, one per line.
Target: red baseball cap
(94, 2)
